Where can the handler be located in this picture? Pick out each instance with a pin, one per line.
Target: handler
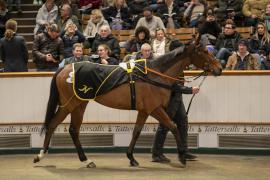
(177, 112)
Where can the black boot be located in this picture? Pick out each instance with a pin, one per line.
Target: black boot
(184, 140)
(189, 156)
(157, 149)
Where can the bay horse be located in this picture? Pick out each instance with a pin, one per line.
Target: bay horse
(150, 99)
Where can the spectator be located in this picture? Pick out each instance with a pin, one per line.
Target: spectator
(144, 53)
(155, 4)
(107, 3)
(170, 14)
(266, 17)
(46, 14)
(13, 62)
(93, 26)
(265, 64)
(227, 42)
(142, 35)
(137, 6)
(70, 36)
(242, 59)
(193, 13)
(211, 4)
(252, 10)
(260, 42)
(104, 52)
(65, 17)
(38, 2)
(18, 5)
(118, 15)
(88, 5)
(210, 30)
(150, 21)
(4, 16)
(161, 43)
(105, 36)
(230, 9)
(77, 52)
(72, 3)
(48, 48)
(210, 25)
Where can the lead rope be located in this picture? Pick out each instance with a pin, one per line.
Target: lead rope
(204, 77)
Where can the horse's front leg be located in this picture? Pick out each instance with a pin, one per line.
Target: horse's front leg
(160, 114)
(141, 118)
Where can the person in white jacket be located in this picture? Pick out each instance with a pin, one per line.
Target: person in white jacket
(46, 14)
(95, 22)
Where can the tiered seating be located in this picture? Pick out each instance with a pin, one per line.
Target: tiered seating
(246, 32)
(26, 23)
(183, 34)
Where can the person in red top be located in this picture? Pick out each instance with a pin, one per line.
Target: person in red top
(86, 6)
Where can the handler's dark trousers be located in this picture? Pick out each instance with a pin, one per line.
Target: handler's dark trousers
(181, 121)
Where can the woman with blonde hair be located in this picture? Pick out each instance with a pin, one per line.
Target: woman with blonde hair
(118, 15)
(95, 22)
(14, 53)
(161, 43)
(260, 42)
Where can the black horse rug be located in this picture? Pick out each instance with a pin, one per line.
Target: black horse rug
(91, 79)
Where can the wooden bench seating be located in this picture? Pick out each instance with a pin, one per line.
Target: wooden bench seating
(183, 34)
(245, 32)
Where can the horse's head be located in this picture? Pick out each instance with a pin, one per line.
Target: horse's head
(201, 58)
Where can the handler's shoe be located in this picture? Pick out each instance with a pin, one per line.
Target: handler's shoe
(160, 158)
(190, 156)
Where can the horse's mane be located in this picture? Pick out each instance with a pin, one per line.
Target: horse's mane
(165, 61)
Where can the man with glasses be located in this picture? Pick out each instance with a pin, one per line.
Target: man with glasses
(227, 42)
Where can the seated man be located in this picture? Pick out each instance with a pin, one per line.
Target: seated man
(253, 11)
(265, 64)
(78, 56)
(227, 42)
(145, 53)
(105, 36)
(242, 59)
(150, 21)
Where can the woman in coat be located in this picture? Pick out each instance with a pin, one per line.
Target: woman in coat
(14, 53)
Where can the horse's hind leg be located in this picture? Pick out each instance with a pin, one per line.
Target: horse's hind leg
(141, 118)
(74, 130)
(163, 118)
(59, 117)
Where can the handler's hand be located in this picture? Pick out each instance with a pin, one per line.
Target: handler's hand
(195, 90)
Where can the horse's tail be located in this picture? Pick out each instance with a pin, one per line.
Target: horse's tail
(52, 102)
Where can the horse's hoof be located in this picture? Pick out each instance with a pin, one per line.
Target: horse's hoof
(36, 160)
(183, 160)
(134, 163)
(91, 165)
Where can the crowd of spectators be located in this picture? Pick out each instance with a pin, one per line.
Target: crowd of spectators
(59, 27)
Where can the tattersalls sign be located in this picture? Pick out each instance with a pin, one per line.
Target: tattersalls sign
(148, 128)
